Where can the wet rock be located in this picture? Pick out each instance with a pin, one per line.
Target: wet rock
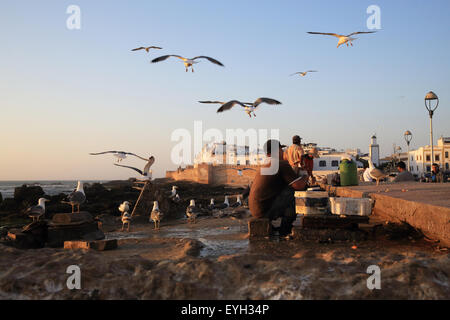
(9, 205)
(28, 196)
(259, 227)
(32, 236)
(100, 245)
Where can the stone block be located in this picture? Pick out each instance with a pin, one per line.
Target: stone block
(99, 245)
(66, 218)
(259, 227)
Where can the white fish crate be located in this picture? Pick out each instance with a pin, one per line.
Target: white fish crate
(351, 206)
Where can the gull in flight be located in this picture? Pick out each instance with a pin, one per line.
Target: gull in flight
(146, 48)
(120, 155)
(303, 73)
(343, 38)
(146, 172)
(188, 62)
(249, 108)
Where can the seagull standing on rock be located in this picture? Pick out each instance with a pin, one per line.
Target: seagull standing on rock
(156, 215)
(343, 39)
(35, 212)
(192, 212)
(375, 173)
(223, 205)
(77, 197)
(188, 62)
(238, 202)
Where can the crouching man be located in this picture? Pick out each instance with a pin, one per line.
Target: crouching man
(272, 193)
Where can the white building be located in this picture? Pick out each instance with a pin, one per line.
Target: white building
(420, 159)
(220, 153)
(374, 151)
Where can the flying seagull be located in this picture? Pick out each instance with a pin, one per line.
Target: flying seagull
(249, 108)
(343, 38)
(303, 73)
(35, 212)
(188, 62)
(146, 48)
(145, 172)
(76, 197)
(120, 155)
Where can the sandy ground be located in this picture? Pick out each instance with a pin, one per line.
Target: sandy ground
(213, 259)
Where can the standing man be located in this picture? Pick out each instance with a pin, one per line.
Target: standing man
(307, 163)
(272, 195)
(295, 153)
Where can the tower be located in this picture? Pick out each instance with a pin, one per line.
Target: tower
(374, 151)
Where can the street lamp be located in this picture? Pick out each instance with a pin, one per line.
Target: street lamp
(408, 137)
(431, 103)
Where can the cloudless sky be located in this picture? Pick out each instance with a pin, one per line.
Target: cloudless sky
(65, 93)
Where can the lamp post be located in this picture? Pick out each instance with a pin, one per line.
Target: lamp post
(431, 103)
(408, 137)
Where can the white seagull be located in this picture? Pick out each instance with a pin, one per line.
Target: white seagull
(238, 202)
(76, 197)
(156, 215)
(120, 155)
(343, 39)
(146, 172)
(126, 220)
(303, 73)
(188, 62)
(249, 108)
(375, 173)
(35, 212)
(192, 212)
(124, 207)
(146, 48)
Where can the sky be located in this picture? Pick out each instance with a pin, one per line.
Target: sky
(65, 93)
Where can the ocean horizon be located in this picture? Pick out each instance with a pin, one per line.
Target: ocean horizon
(50, 187)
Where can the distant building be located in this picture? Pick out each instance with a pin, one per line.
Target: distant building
(420, 159)
(218, 153)
(374, 151)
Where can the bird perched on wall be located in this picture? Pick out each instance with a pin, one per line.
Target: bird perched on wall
(240, 170)
(173, 192)
(35, 212)
(126, 220)
(156, 215)
(192, 212)
(146, 48)
(146, 173)
(120, 155)
(238, 202)
(343, 39)
(177, 198)
(375, 173)
(124, 207)
(303, 73)
(77, 197)
(249, 108)
(211, 205)
(223, 205)
(188, 62)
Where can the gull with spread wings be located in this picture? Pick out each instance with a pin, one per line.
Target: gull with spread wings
(120, 155)
(249, 107)
(303, 73)
(188, 62)
(146, 48)
(146, 172)
(343, 39)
